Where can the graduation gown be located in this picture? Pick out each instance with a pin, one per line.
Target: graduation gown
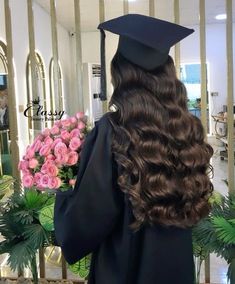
(95, 218)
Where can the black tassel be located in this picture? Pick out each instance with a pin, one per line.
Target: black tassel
(103, 94)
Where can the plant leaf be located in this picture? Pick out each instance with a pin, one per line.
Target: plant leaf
(46, 217)
(224, 230)
(20, 256)
(81, 267)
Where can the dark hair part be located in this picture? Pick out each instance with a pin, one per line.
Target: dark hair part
(159, 146)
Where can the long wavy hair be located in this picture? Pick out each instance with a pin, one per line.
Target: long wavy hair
(159, 146)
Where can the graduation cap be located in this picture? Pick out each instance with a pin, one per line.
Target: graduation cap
(144, 41)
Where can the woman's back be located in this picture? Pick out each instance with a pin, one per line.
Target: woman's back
(155, 254)
(143, 175)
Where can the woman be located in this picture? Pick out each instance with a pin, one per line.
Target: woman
(142, 182)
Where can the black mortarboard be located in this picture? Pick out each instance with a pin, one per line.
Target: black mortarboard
(144, 41)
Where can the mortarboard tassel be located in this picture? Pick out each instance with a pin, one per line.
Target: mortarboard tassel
(103, 86)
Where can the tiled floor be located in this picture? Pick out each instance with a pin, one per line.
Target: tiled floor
(218, 267)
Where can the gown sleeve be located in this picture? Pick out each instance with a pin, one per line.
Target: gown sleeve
(85, 216)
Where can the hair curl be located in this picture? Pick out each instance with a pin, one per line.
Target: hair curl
(159, 146)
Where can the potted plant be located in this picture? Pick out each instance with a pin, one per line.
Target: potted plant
(216, 234)
(22, 231)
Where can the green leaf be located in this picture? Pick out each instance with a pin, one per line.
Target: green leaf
(224, 230)
(24, 217)
(36, 200)
(35, 235)
(32, 198)
(46, 217)
(6, 246)
(70, 173)
(81, 267)
(21, 256)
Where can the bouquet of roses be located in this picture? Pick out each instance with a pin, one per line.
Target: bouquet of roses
(51, 161)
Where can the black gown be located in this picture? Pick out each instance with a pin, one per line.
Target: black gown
(95, 217)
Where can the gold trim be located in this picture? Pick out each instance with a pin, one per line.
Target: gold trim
(101, 11)
(102, 19)
(202, 11)
(32, 56)
(78, 41)
(152, 8)
(55, 53)
(12, 99)
(33, 93)
(177, 46)
(203, 64)
(125, 7)
(230, 102)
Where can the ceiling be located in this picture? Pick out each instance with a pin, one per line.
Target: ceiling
(189, 11)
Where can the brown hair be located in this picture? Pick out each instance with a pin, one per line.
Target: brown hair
(159, 146)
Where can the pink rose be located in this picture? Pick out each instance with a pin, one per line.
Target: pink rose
(57, 123)
(60, 149)
(46, 132)
(40, 137)
(80, 115)
(29, 152)
(56, 141)
(50, 157)
(72, 181)
(44, 181)
(61, 160)
(75, 133)
(75, 143)
(52, 170)
(81, 125)
(45, 150)
(26, 172)
(23, 165)
(72, 158)
(65, 123)
(28, 180)
(73, 120)
(37, 178)
(47, 163)
(65, 135)
(48, 140)
(55, 130)
(36, 146)
(33, 163)
(54, 182)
